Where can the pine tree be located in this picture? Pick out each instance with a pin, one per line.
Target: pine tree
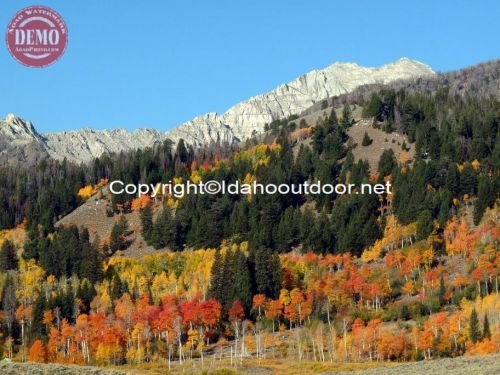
(226, 289)
(442, 291)
(217, 277)
(474, 331)
(9, 304)
(117, 240)
(486, 328)
(162, 229)
(267, 272)
(405, 313)
(37, 326)
(367, 141)
(116, 287)
(31, 245)
(485, 198)
(387, 162)
(147, 223)
(242, 287)
(424, 225)
(346, 120)
(8, 257)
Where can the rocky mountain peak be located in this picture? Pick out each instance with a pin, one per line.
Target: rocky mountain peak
(238, 123)
(15, 129)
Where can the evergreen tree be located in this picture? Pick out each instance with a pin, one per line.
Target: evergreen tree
(118, 232)
(346, 120)
(9, 304)
(425, 225)
(485, 197)
(387, 162)
(217, 277)
(242, 286)
(267, 272)
(405, 313)
(367, 141)
(486, 328)
(8, 256)
(38, 329)
(474, 331)
(147, 223)
(31, 245)
(116, 287)
(442, 291)
(226, 290)
(91, 264)
(162, 229)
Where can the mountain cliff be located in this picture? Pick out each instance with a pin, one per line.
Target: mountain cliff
(19, 141)
(296, 96)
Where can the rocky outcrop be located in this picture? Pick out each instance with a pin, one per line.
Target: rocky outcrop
(19, 141)
(250, 116)
(86, 144)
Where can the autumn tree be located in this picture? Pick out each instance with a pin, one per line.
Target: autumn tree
(38, 352)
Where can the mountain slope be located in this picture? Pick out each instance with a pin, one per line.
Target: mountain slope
(19, 141)
(296, 96)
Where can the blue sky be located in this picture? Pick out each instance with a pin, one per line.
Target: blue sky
(158, 63)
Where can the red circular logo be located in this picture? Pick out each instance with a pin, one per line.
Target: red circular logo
(37, 36)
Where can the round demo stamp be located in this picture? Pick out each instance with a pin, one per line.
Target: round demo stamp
(37, 36)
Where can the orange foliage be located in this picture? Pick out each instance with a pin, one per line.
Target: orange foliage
(140, 203)
(38, 352)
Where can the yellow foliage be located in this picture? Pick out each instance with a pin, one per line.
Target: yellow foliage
(372, 253)
(404, 157)
(89, 190)
(30, 280)
(195, 177)
(16, 235)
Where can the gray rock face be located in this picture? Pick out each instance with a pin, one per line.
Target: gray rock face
(294, 97)
(20, 141)
(86, 144)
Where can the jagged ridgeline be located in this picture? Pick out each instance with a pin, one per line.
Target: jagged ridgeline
(449, 121)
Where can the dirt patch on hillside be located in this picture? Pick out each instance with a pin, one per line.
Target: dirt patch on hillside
(380, 141)
(92, 215)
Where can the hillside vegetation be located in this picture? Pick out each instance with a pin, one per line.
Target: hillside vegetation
(318, 280)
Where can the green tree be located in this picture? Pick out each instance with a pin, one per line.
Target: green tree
(147, 223)
(387, 162)
(346, 120)
(242, 286)
(424, 225)
(442, 291)
(486, 328)
(474, 331)
(117, 240)
(217, 277)
(8, 256)
(485, 197)
(267, 272)
(367, 141)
